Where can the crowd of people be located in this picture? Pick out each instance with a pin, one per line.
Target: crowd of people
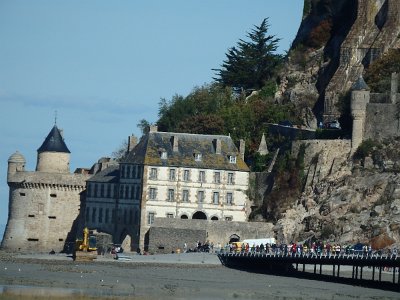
(311, 248)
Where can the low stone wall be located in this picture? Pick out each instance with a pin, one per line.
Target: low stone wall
(171, 234)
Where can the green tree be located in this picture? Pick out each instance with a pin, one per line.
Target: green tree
(251, 63)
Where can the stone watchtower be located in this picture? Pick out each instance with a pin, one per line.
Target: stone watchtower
(360, 97)
(44, 206)
(53, 155)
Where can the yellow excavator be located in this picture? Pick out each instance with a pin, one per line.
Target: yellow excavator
(85, 249)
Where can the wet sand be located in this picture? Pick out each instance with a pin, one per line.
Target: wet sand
(175, 276)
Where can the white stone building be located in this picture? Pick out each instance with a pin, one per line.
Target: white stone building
(167, 175)
(187, 176)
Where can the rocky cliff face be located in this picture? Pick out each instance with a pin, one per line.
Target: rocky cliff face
(336, 41)
(344, 199)
(359, 201)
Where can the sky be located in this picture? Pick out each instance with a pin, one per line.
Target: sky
(104, 65)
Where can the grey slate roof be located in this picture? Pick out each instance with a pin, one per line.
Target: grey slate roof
(108, 175)
(54, 142)
(148, 151)
(360, 85)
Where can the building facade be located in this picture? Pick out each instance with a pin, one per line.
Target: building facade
(186, 176)
(168, 175)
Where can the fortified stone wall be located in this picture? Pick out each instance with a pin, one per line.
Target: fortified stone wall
(215, 232)
(382, 121)
(43, 210)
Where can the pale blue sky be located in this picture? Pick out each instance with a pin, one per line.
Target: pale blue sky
(104, 65)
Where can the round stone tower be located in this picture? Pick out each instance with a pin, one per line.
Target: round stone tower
(360, 96)
(53, 154)
(16, 163)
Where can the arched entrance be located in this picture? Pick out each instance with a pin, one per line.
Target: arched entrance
(184, 217)
(214, 218)
(199, 215)
(234, 238)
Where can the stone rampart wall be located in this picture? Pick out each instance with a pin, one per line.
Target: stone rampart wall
(381, 122)
(217, 232)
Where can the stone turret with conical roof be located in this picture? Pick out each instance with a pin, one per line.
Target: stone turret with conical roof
(53, 155)
(16, 163)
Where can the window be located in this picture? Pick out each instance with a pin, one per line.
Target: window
(123, 171)
(230, 178)
(95, 190)
(217, 177)
(22, 194)
(171, 195)
(121, 191)
(87, 214)
(137, 192)
(186, 175)
(102, 190)
(202, 176)
(126, 192)
(185, 196)
(134, 171)
(229, 198)
(136, 217)
(228, 218)
(100, 215)
(128, 168)
(200, 196)
(164, 155)
(152, 193)
(216, 197)
(170, 216)
(53, 195)
(113, 216)
(109, 191)
(232, 159)
(153, 173)
(125, 216)
(93, 215)
(197, 156)
(150, 218)
(131, 216)
(107, 216)
(172, 174)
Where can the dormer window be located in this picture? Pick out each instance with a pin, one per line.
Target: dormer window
(197, 156)
(232, 159)
(164, 155)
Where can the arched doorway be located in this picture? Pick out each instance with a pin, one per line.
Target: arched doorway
(234, 238)
(199, 215)
(214, 218)
(184, 217)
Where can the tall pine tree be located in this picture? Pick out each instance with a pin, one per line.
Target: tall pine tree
(251, 63)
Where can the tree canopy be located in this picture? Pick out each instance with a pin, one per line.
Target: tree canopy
(251, 63)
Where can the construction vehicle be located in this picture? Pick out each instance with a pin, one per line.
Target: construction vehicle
(85, 249)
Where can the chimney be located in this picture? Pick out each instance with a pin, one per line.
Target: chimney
(242, 147)
(217, 146)
(394, 87)
(153, 128)
(132, 142)
(174, 143)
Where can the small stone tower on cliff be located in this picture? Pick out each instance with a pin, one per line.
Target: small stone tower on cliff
(360, 97)
(44, 206)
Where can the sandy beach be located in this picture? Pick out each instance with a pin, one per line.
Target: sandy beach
(170, 276)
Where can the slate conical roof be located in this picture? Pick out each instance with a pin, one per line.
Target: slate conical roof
(54, 142)
(360, 85)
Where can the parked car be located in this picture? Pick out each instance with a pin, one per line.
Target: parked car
(286, 123)
(332, 125)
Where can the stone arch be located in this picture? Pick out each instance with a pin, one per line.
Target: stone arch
(214, 218)
(184, 216)
(234, 238)
(199, 215)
